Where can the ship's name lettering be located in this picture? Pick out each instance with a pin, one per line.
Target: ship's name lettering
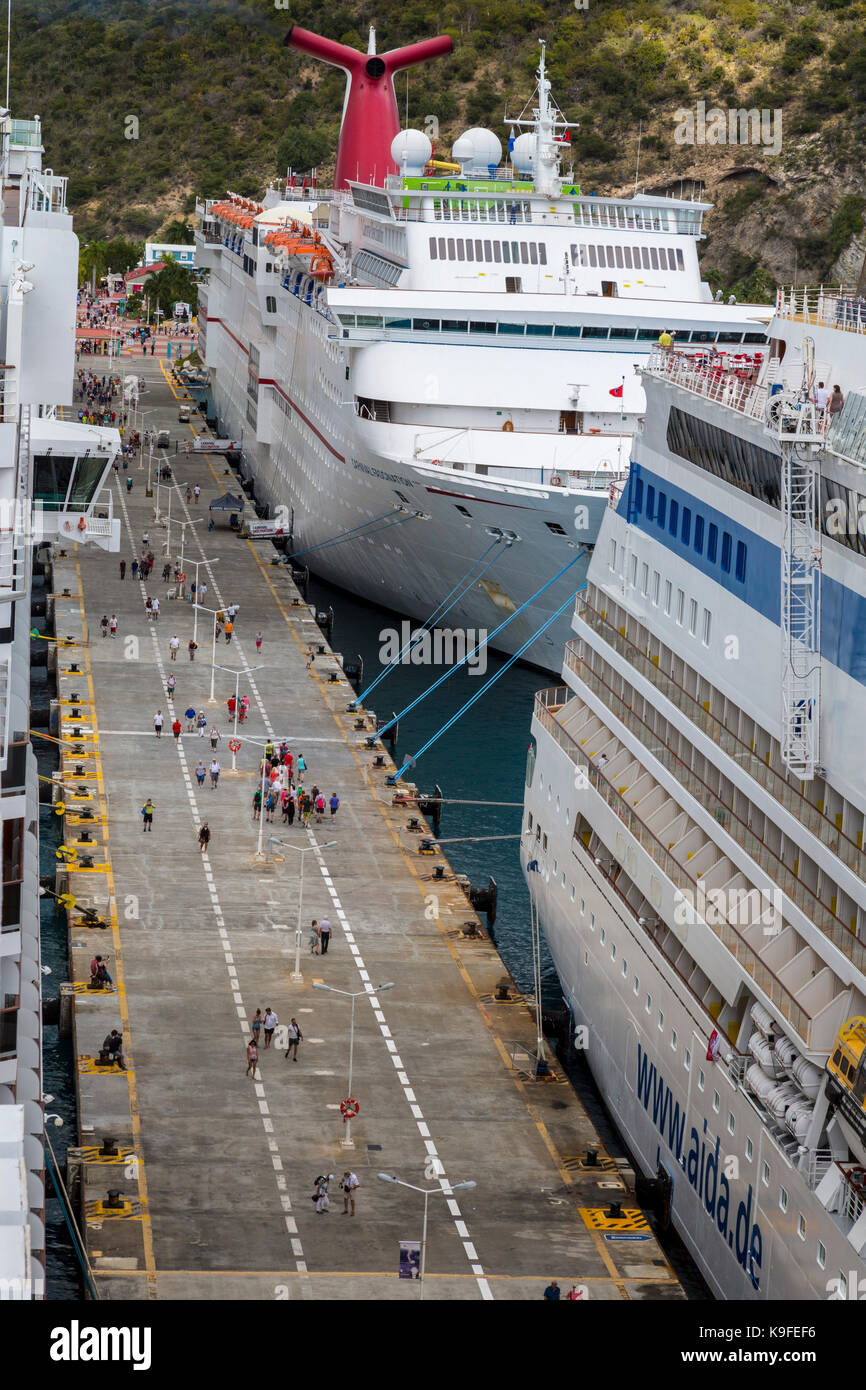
(378, 473)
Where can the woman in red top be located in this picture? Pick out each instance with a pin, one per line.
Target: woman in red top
(232, 703)
(175, 729)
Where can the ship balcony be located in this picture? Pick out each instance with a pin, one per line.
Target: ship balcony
(760, 769)
(653, 732)
(698, 872)
(837, 306)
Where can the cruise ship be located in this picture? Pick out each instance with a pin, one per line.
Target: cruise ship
(695, 806)
(430, 372)
(53, 490)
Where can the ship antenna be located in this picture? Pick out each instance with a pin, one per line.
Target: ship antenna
(8, 47)
(637, 161)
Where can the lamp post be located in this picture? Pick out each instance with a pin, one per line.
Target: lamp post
(301, 850)
(347, 1142)
(185, 560)
(428, 1192)
(237, 673)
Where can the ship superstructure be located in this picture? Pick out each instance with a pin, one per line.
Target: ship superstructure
(695, 805)
(52, 488)
(417, 363)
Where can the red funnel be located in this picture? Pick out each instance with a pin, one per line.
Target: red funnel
(370, 119)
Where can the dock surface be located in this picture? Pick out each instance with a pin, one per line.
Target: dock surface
(213, 1171)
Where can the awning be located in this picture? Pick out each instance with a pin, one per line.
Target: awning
(228, 503)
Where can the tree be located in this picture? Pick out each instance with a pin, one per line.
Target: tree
(302, 150)
(174, 282)
(179, 233)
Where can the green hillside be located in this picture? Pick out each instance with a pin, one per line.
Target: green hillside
(219, 101)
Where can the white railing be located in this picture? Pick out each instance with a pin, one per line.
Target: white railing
(46, 192)
(837, 306)
(729, 381)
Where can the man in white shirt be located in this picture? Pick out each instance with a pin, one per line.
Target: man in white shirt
(173, 646)
(349, 1184)
(822, 396)
(270, 1023)
(158, 723)
(325, 935)
(155, 609)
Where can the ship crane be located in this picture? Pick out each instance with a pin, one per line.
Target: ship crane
(798, 428)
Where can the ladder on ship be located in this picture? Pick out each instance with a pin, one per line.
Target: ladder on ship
(798, 428)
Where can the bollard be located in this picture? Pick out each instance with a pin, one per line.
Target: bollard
(115, 1201)
(109, 1149)
(502, 995)
(614, 1211)
(591, 1160)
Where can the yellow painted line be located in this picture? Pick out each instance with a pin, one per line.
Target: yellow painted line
(597, 1219)
(602, 1251)
(134, 1108)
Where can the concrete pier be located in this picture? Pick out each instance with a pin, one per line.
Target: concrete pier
(213, 1171)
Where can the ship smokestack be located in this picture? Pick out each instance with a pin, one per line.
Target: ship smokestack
(370, 119)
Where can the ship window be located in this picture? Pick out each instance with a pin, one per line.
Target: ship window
(460, 248)
(566, 330)
(451, 248)
(488, 251)
(668, 592)
(524, 252)
(661, 1021)
(681, 606)
(687, 1060)
(374, 321)
(454, 326)
(555, 527)
(481, 327)
(700, 1080)
(533, 253)
(497, 251)
(754, 338)
(442, 253)
(729, 337)
(626, 334)
(348, 320)
(618, 254)
(590, 332)
(681, 265)
(592, 259)
(592, 921)
(636, 985)
(727, 546)
(673, 1039)
(270, 304)
(821, 1255)
(740, 565)
(708, 619)
(479, 249)
(613, 951)
(539, 330)
(610, 257)
(515, 252)
(801, 1226)
(613, 555)
(674, 517)
(646, 260)
(632, 571)
(732, 1124)
(750, 1149)
(844, 1066)
(837, 1056)
(542, 253)
(563, 880)
(686, 528)
(638, 494)
(52, 475)
(716, 1102)
(555, 867)
(662, 507)
(625, 969)
(470, 249)
(693, 617)
(506, 252)
(544, 843)
(538, 832)
(654, 257)
(432, 248)
(649, 1003)
(464, 512)
(765, 1174)
(529, 821)
(603, 935)
(657, 580)
(699, 535)
(712, 542)
(425, 325)
(572, 892)
(511, 327)
(650, 501)
(644, 580)
(783, 1199)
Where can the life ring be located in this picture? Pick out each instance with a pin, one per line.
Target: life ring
(437, 462)
(234, 745)
(508, 426)
(181, 579)
(349, 1109)
(82, 524)
(556, 481)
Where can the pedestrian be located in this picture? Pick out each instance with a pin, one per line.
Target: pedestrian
(128, 483)
(325, 934)
(311, 656)
(836, 401)
(231, 611)
(258, 639)
(320, 808)
(204, 835)
(112, 626)
(200, 772)
(155, 604)
(215, 770)
(103, 623)
(166, 572)
(189, 716)
(231, 704)
(314, 938)
(214, 736)
(350, 1186)
(193, 648)
(321, 1194)
(302, 767)
(202, 723)
(290, 809)
(285, 798)
(135, 569)
(123, 569)
(295, 1036)
(252, 1058)
(257, 803)
(270, 804)
(202, 590)
(188, 493)
(170, 684)
(158, 723)
(229, 630)
(99, 970)
(245, 704)
(175, 729)
(552, 1292)
(173, 646)
(270, 1022)
(148, 602)
(256, 1026)
(335, 806)
(145, 541)
(147, 815)
(574, 1294)
(196, 492)
(113, 1045)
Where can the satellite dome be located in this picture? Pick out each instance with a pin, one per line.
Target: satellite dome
(523, 153)
(410, 151)
(476, 150)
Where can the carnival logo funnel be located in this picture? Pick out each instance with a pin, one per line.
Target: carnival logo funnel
(370, 119)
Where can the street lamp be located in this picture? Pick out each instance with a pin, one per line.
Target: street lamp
(347, 1141)
(301, 850)
(185, 560)
(237, 673)
(211, 698)
(428, 1192)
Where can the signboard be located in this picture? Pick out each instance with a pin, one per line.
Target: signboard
(264, 530)
(203, 444)
(180, 309)
(410, 1259)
